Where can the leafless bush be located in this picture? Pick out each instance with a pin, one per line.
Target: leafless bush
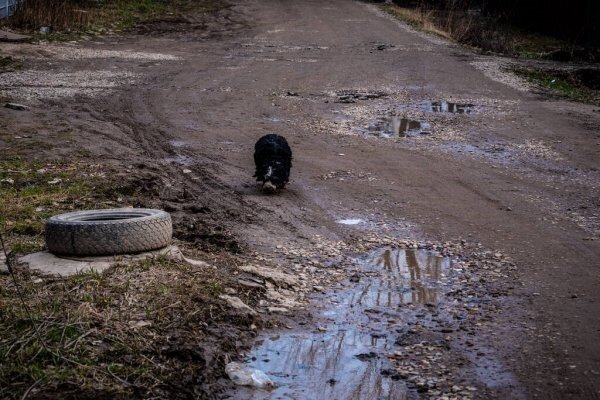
(464, 23)
(60, 15)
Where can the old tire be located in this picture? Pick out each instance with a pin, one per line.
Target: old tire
(108, 232)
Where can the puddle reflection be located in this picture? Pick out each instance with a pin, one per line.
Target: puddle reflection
(398, 127)
(449, 107)
(344, 362)
(411, 276)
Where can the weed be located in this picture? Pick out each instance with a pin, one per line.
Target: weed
(215, 288)
(575, 85)
(128, 332)
(69, 19)
(9, 64)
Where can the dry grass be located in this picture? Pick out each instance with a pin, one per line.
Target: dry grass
(67, 17)
(140, 331)
(459, 24)
(61, 15)
(418, 18)
(156, 329)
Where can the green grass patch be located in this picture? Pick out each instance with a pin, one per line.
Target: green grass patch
(573, 85)
(30, 192)
(72, 19)
(122, 14)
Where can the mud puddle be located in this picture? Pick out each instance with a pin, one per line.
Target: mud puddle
(499, 154)
(449, 107)
(345, 355)
(395, 126)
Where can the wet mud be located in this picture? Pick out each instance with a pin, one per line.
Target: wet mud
(345, 356)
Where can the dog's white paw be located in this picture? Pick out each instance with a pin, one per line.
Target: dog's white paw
(269, 187)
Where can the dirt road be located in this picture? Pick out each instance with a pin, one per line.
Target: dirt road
(514, 172)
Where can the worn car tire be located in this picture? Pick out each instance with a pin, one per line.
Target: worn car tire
(108, 232)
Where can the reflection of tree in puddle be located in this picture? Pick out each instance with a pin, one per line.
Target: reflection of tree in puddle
(411, 276)
(324, 366)
(345, 360)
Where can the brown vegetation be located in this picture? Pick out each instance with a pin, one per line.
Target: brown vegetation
(477, 25)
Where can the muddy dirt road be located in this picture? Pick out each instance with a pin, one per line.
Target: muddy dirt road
(484, 161)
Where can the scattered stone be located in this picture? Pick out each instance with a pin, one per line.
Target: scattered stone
(423, 355)
(282, 310)
(251, 284)
(277, 276)
(238, 304)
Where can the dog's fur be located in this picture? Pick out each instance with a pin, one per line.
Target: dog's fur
(273, 159)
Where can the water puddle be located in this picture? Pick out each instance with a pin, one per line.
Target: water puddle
(449, 107)
(345, 357)
(398, 127)
(350, 221)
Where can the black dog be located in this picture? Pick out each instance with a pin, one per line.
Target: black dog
(273, 159)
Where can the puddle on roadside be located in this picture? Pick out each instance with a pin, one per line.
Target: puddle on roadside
(449, 107)
(344, 359)
(350, 221)
(398, 127)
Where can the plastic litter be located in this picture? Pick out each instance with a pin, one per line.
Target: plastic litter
(243, 375)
